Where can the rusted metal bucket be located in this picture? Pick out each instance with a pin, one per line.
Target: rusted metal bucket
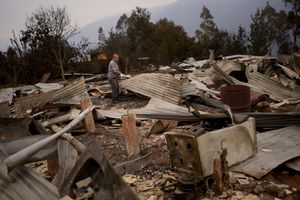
(237, 97)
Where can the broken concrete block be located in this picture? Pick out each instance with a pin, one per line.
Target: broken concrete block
(66, 197)
(90, 192)
(84, 183)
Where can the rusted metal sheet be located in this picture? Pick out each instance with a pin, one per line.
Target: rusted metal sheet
(274, 148)
(162, 86)
(192, 150)
(26, 184)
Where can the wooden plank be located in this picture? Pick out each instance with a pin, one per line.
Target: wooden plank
(45, 77)
(220, 173)
(89, 122)
(274, 148)
(131, 135)
(53, 166)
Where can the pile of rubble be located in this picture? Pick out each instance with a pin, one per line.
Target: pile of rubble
(225, 129)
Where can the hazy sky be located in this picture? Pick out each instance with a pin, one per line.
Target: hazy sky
(13, 13)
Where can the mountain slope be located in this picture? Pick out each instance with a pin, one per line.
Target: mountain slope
(228, 15)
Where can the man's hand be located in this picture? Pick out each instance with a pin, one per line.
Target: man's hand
(122, 76)
(117, 72)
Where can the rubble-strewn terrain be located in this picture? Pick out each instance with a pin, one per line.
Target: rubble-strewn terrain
(176, 133)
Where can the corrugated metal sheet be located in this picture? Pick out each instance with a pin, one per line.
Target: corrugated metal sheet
(72, 90)
(26, 185)
(154, 107)
(272, 87)
(263, 84)
(282, 145)
(275, 120)
(161, 86)
(67, 157)
(70, 94)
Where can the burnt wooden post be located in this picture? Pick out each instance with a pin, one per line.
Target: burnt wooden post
(89, 122)
(220, 173)
(53, 165)
(131, 135)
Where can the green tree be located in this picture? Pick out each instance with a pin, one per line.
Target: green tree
(131, 37)
(135, 36)
(123, 44)
(171, 42)
(139, 31)
(208, 28)
(10, 66)
(122, 24)
(293, 19)
(262, 29)
(118, 41)
(208, 36)
(240, 41)
(282, 34)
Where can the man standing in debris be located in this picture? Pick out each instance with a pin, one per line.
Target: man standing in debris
(113, 74)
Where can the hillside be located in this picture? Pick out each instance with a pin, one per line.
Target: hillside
(228, 15)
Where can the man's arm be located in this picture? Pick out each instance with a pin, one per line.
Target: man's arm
(116, 70)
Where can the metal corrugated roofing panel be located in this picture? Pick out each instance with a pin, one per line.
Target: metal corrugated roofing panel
(26, 184)
(272, 87)
(154, 107)
(156, 85)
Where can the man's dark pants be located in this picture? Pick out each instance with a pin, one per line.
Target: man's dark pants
(115, 88)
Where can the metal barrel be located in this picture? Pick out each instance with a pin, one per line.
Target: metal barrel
(237, 97)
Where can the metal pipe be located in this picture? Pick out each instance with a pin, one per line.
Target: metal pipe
(21, 156)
